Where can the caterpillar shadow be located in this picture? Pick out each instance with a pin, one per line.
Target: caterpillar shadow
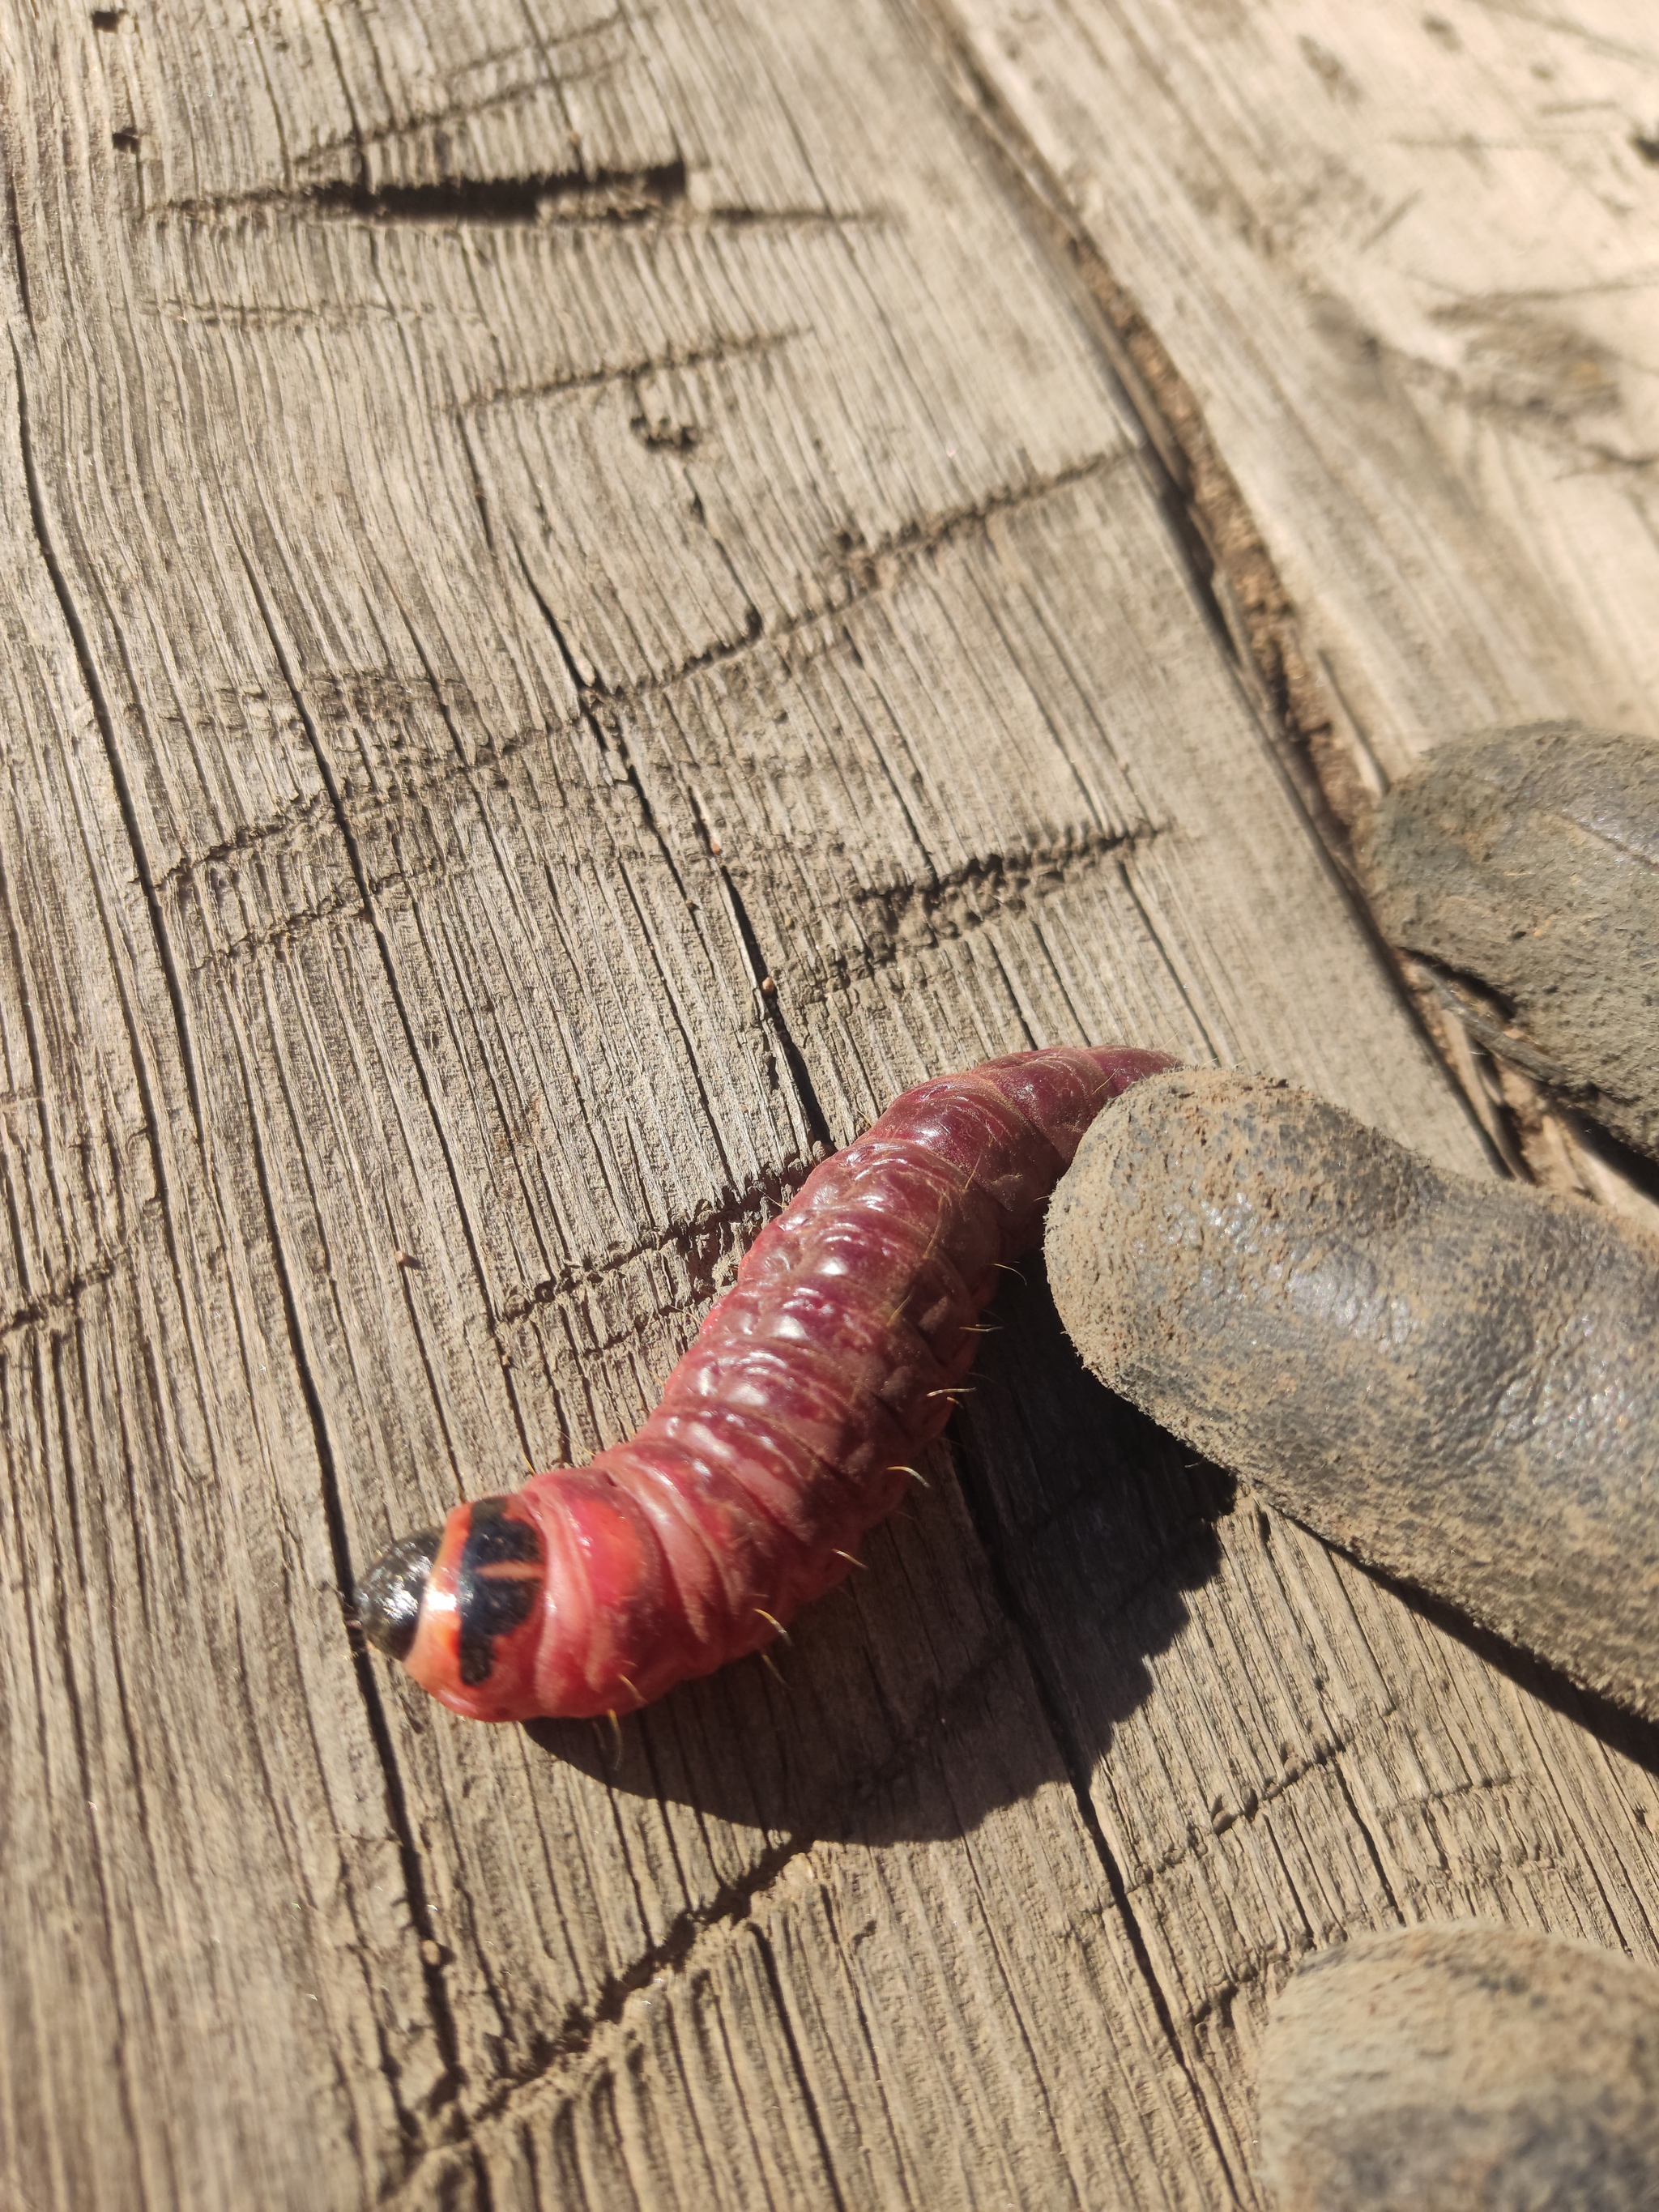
(1003, 1627)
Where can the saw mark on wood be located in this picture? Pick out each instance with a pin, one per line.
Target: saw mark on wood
(644, 199)
(898, 920)
(867, 569)
(705, 1241)
(758, 342)
(547, 196)
(555, 2060)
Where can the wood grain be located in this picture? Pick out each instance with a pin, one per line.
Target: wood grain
(521, 525)
(1379, 281)
(1401, 259)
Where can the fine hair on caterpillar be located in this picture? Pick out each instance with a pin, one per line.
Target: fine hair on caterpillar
(788, 1430)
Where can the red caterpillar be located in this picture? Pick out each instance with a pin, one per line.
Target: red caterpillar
(785, 1433)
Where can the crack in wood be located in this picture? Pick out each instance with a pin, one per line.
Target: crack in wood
(903, 919)
(105, 721)
(58, 1307)
(440, 2011)
(671, 358)
(585, 2037)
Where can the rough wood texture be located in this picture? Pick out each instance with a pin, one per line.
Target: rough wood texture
(1382, 280)
(519, 524)
(1401, 260)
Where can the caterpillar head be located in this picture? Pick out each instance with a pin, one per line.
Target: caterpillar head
(458, 1606)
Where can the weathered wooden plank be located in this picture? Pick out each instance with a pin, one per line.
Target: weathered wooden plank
(1401, 259)
(521, 526)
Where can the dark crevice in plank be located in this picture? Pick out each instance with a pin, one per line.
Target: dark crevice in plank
(1363, 1829)
(401, 1825)
(791, 2047)
(1004, 878)
(284, 930)
(806, 1096)
(257, 1736)
(115, 936)
(105, 722)
(483, 2198)
(982, 1512)
(1230, 567)
(14, 224)
(607, 732)
(636, 195)
(808, 1105)
(589, 695)
(636, 198)
(604, 738)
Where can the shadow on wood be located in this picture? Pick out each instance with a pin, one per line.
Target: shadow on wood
(1094, 1525)
(1624, 1732)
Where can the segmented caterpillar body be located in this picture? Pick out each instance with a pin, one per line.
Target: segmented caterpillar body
(788, 1429)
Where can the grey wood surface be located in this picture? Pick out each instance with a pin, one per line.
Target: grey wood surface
(522, 523)
(1382, 279)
